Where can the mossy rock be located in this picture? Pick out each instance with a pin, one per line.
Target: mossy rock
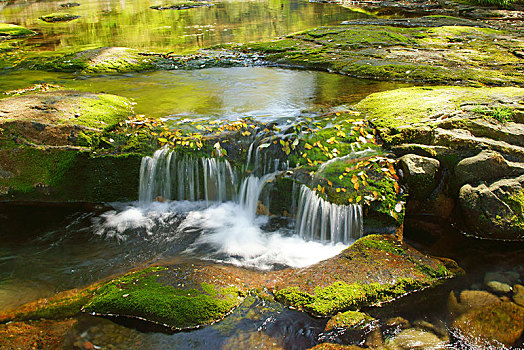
(181, 5)
(97, 60)
(61, 175)
(349, 280)
(58, 17)
(402, 115)
(159, 295)
(13, 31)
(349, 319)
(55, 118)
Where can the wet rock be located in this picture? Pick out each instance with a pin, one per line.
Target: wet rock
(45, 334)
(491, 325)
(414, 339)
(58, 17)
(439, 330)
(420, 174)
(498, 287)
(69, 4)
(472, 299)
(398, 322)
(518, 294)
(486, 166)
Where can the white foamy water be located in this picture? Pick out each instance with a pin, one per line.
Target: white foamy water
(224, 232)
(233, 237)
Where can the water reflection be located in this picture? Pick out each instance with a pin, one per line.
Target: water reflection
(134, 24)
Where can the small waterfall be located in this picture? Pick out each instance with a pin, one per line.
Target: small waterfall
(181, 177)
(318, 219)
(250, 191)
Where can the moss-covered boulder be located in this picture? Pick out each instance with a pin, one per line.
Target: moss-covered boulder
(58, 118)
(450, 53)
(179, 296)
(349, 319)
(8, 31)
(474, 133)
(373, 270)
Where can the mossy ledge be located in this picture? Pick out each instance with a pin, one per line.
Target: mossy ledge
(385, 51)
(9, 31)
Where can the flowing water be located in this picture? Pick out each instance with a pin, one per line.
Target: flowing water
(200, 208)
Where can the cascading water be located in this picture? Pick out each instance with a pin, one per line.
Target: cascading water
(250, 191)
(318, 219)
(172, 176)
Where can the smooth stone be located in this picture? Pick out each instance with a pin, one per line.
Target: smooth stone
(414, 339)
(518, 294)
(498, 287)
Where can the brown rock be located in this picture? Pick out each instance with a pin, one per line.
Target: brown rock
(491, 325)
(518, 294)
(473, 299)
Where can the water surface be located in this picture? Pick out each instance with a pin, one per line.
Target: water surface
(132, 23)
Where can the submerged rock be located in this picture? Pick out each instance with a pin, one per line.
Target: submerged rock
(415, 339)
(182, 5)
(44, 334)
(58, 17)
(491, 325)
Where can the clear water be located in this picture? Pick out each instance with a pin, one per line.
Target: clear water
(227, 93)
(132, 23)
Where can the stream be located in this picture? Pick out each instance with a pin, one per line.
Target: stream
(63, 246)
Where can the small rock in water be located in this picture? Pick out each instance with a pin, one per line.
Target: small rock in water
(414, 339)
(441, 331)
(88, 345)
(498, 287)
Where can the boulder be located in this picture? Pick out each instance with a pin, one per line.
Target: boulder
(420, 174)
(486, 166)
(495, 211)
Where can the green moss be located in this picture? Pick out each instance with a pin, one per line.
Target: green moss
(341, 296)
(377, 242)
(57, 309)
(93, 60)
(12, 30)
(501, 114)
(102, 111)
(349, 319)
(141, 294)
(516, 203)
